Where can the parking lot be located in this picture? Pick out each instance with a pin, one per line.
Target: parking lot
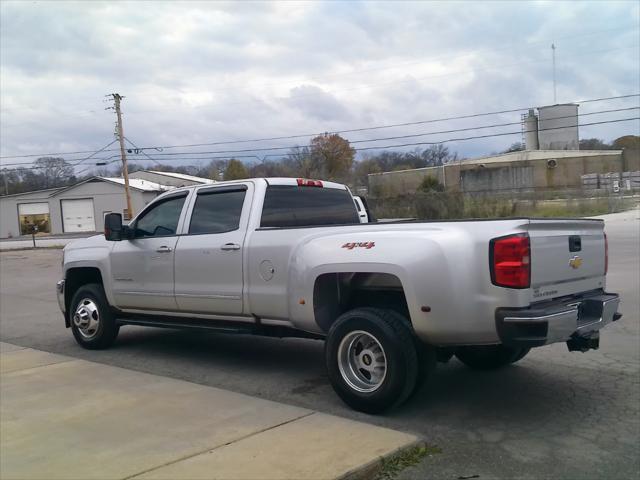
(553, 415)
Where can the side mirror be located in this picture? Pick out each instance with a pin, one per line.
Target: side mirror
(113, 227)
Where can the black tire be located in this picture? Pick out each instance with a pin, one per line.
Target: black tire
(489, 357)
(395, 335)
(427, 362)
(521, 355)
(92, 295)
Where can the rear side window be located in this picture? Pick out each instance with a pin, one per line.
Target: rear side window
(293, 206)
(217, 211)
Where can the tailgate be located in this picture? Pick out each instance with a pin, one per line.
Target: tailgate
(567, 257)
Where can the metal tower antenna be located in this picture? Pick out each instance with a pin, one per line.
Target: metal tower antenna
(553, 56)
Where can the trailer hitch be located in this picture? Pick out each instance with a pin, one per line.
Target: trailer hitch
(584, 343)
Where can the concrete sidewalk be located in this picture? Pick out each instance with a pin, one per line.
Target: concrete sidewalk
(66, 418)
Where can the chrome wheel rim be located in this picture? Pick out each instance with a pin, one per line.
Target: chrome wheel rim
(362, 361)
(87, 318)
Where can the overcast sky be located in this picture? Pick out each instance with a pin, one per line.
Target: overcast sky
(198, 72)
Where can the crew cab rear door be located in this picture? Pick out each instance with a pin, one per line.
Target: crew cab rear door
(209, 256)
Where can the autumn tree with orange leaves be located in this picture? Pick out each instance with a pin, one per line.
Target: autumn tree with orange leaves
(332, 156)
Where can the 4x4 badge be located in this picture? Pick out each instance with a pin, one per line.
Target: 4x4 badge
(352, 245)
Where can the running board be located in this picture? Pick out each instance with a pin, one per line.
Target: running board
(219, 326)
(188, 324)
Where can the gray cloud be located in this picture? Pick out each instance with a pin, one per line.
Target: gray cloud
(212, 71)
(314, 102)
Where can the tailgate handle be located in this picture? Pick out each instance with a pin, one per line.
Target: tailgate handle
(575, 243)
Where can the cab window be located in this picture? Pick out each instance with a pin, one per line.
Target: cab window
(291, 206)
(161, 219)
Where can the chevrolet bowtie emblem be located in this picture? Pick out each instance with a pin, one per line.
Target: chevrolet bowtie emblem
(575, 262)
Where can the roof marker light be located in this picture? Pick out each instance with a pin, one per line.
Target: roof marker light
(303, 182)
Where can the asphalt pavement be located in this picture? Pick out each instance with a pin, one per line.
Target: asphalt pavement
(555, 414)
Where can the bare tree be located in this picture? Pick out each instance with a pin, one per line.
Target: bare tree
(300, 162)
(55, 172)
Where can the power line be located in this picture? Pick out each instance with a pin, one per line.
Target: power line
(89, 167)
(227, 154)
(519, 132)
(77, 161)
(449, 140)
(380, 127)
(141, 151)
(289, 147)
(306, 135)
(73, 164)
(492, 126)
(92, 155)
(115, 158)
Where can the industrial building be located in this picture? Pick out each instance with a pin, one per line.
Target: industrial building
(516, 172)
(82, 207)
(551, 161)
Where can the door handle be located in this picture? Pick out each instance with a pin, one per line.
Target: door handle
(230, 246)
(164, 249)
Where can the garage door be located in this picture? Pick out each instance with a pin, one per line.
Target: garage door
(34, 215)
(77, 215)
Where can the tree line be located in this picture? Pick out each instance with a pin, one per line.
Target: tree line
(328, 157)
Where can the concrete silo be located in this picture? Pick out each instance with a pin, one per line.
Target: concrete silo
(530, 127)
(558, 127)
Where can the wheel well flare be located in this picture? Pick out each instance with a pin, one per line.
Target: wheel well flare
(336, 293)
(74, 279)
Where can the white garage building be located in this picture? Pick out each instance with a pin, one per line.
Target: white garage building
(82, 207)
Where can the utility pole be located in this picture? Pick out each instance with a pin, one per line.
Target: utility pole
(125, 172)
(553, 56)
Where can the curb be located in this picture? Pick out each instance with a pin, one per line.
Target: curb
(371, 469)
(21, 249)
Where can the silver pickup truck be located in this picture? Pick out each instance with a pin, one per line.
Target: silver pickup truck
(289, 257)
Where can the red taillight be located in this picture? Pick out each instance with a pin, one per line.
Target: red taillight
(303, 182)
(510, 259)
(606, 254)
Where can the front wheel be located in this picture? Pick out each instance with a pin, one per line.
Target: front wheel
(92, 321)
(488, 357)
(371, 359)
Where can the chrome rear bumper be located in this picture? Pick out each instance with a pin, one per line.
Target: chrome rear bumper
(557, 321)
